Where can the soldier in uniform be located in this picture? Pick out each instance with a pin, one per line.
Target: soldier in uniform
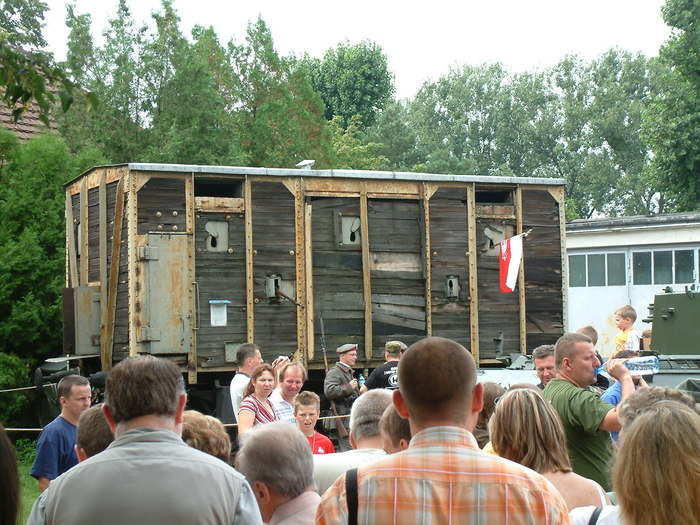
(341, 389)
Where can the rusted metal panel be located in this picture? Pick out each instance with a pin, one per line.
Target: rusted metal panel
(86, 304)
(71, 244)
(521, 274)
(132, 279)
(473, 285)
(300, 269)
(84, 249)
(166, 313)
(308, 257)
(191, 278)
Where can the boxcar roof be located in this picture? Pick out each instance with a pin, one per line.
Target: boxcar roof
(344, 174)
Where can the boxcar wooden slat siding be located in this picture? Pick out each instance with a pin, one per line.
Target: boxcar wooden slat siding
(413, 232)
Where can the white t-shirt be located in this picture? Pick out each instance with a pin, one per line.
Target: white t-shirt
(327, 467)
(610, 515)
(238, 384)
(283, 409)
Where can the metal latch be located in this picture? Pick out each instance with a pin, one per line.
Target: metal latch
(148, 253)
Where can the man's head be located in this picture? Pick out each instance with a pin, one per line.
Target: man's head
(437, 385)
(492, 393)
(347, 354)
(292, 377)
(543, 359)
(393, 350)
(591, 332)
(644, 399)
(576, 359)
(248, 357)
(277, 461)
(395, 431)
(74, 396)
(307, 408)
(93, 434)
(365, 415)
(625, 316)
(145, 386)
(206, 433)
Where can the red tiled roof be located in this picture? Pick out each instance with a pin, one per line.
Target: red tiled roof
(28, 126)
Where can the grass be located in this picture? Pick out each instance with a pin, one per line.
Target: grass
(30, 490)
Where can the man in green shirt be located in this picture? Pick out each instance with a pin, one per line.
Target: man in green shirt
(587, 420)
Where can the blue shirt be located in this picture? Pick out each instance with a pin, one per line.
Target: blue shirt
(55, 450)
(613, 395)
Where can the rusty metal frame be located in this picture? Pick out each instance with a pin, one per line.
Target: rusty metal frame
(472, 269)
(300, 282)
(190, 211)
(102, 247)
(366, 279)
(84, 232)
(427, 251)
(522, 313)
(133, 270)
(250, 297)
(308, 253)
(70, 243)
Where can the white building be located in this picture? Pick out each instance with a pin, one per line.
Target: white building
(627, 260)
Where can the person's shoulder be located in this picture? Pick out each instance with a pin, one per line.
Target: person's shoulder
(59, 424)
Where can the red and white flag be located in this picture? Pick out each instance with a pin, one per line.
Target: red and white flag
(511, 255)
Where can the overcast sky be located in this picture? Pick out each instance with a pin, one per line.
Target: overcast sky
(421, 39)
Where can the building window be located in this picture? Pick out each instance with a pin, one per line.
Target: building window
(597, 269)
(664, 267)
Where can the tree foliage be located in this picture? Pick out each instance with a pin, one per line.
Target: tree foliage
(353, 80)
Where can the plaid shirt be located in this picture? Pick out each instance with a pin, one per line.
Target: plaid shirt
(443, 477)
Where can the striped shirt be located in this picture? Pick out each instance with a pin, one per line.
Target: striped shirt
(263, 412)
(443, 478)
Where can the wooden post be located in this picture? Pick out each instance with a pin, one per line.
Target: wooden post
(132, 219)
(84, 256)
(299, 243)
(472, 269)
(308, 253)
(190, 228)
(70, 234)
(427, 250)
(102, 203)
(366, 264)
(250, 298)
(521, 272)
(110, 307)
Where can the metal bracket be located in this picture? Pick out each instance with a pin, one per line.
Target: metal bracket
(147, 253)
(149, 334)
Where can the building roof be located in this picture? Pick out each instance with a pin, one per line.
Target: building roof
(28, 126)
(346, 174)
(635, 221)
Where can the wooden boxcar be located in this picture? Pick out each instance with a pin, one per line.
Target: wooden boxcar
(189, 262)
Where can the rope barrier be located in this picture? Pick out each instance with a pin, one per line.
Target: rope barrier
(26, 388)
(227, 425)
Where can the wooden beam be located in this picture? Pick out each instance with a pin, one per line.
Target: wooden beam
(472, 269)
(521, 272)
(366, 264)
(109, 310)
(564, 262)
(102, 213)
(70, 235)
(250, 297)
(427, 251)
(135, 301)
(219, 204)
(299, 245)
(190, 205)
(308, 253)
(84, 255)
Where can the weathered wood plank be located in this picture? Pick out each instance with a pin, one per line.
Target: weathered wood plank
(521, 273)
(473, 283)
(366, 265)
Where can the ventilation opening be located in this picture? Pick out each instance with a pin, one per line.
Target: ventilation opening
(494, 197)
(218, 188)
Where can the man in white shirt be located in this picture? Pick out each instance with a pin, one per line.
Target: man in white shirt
(249, 358)
(292, 377)
(365, 439)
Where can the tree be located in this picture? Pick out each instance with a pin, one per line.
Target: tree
(352, 79)
(395, 136)
(349, 152)
(28, 74)
(672, 119)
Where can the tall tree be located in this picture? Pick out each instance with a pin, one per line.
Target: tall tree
(352, 79)
(672, 120)
(394, 133)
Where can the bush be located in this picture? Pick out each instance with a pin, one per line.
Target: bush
(14, 373)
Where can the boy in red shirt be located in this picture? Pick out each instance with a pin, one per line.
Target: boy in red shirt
(307, 407)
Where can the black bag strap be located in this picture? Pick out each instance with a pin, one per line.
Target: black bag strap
(351, 495)
(594, 516)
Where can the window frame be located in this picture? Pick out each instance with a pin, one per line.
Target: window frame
(695, 270)
(605, 253)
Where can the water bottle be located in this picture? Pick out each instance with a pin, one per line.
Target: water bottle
(643, 366)
(360, 380)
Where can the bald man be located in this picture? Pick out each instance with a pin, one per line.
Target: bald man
(588, 421)
(442, 477)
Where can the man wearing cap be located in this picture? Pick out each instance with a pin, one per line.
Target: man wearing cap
(384, 376)
(340, 388)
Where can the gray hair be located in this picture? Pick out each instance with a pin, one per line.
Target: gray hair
(367, 411)
(278, 455)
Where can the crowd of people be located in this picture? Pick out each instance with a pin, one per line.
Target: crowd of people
(425, 442)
